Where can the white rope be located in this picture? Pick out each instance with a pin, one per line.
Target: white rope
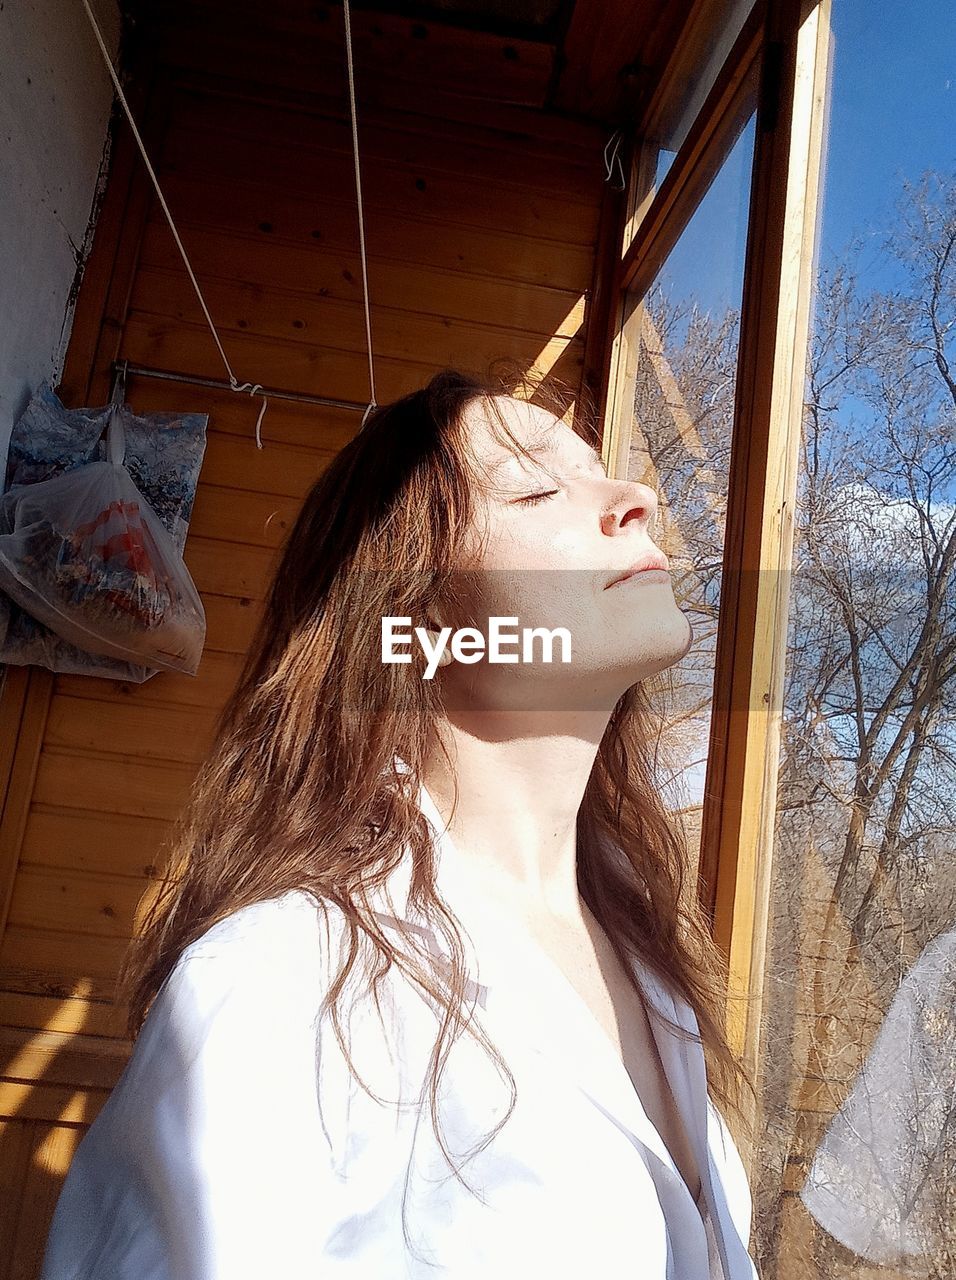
(613, 145)
(252, 388)
(358, 193)
(235, 385)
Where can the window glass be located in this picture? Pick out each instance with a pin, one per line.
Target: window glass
(720, 25)
(684, 334)
(855, 1172)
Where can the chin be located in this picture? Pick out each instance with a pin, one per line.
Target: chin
(659, 644)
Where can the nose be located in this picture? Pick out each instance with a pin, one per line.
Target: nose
(632, 501)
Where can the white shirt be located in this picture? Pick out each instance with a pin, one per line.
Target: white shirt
(236, 1145)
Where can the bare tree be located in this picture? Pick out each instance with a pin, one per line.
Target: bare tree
(683, 420)
(864, 870)
(872, 665)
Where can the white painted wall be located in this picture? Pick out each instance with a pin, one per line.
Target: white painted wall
(55, 99)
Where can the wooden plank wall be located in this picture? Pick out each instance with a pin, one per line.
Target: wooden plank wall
(484, 217)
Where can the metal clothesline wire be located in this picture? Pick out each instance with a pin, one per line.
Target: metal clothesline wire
(124, 367)
(233, 384)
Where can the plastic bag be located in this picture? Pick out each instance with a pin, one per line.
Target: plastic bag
(86, 555)
(164, 452)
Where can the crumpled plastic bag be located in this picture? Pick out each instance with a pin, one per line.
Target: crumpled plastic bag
(163, 456)
(86, 555)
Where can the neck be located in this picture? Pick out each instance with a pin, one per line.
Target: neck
(510, 799)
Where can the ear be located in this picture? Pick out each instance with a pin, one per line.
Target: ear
(445, 656)
(433, 627)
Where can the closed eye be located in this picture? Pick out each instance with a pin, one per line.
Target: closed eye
(533, 499)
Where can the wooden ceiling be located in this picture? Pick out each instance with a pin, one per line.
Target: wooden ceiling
(613, 54)
(593, 60)
(604, 54)
(543, 20)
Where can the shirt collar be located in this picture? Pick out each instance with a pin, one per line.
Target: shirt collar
(587, 1054)
(392, 903)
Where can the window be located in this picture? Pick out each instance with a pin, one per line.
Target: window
(856, 1172)
(675, 356)
(684, 332)
(716, 28)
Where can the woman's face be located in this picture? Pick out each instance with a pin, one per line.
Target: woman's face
(551, 535)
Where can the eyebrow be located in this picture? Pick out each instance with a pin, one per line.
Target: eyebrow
(536, 449)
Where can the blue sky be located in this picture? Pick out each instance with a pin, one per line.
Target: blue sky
(892, 116)
(893, 112)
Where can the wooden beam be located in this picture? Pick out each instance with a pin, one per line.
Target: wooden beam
(740, 802)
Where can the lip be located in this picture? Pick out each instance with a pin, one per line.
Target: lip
(652, 560)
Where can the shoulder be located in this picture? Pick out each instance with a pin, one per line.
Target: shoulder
(278, 927)
(213, 1155)
(273, 953)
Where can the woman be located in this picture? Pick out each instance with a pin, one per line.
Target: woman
(456, 899)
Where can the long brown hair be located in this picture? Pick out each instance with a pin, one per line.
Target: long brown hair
(300, 790)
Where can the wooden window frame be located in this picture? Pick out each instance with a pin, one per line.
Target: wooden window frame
(786, 43)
